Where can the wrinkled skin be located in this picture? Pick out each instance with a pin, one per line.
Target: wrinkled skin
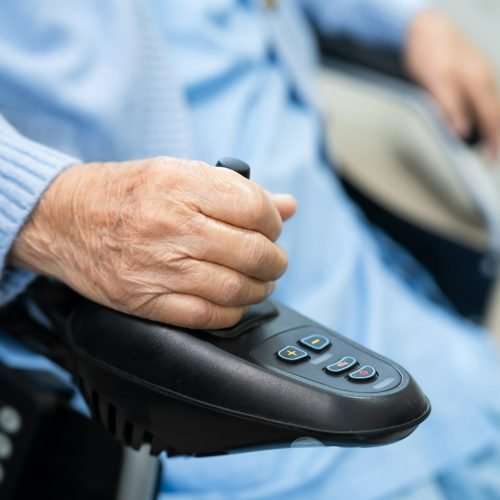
(170, 240)
(460, 79)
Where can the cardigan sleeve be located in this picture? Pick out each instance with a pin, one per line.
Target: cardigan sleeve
(26, 170)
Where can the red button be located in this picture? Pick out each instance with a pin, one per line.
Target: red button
(364, 374)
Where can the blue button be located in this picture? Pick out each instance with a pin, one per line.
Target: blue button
(342, 365)
(364, 374)
(316, 342)
(292, 354)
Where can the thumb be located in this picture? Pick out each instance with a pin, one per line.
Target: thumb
(285, 203)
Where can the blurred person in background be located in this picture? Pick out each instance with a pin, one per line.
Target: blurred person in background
(113, 81)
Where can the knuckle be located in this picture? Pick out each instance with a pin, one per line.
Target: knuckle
(265, 259)
(257, 255)
(281, 262)
(222, 317)
(261, 293)
(259, 207)
(191, 223)
(211, 316)
(183, 270)
(200, 315)
(233, 290)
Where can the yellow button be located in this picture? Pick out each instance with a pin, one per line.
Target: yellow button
(291, 354)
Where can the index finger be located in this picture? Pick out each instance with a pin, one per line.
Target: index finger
(228, 197)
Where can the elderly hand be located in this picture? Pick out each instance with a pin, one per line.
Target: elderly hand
(459, 78)
(170, 240)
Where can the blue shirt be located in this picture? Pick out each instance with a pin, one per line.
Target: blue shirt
(247, 99)
(246, 75)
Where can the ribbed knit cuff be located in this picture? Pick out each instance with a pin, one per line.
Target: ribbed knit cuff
(26, 170)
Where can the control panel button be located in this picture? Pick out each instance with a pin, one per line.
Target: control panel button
(292, 354)
(10, 420)
(316, 342)
(5, 447)
(364, 374)
(342, 365)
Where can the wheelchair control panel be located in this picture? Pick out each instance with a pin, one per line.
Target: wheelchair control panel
(317, 356)
(276, 379)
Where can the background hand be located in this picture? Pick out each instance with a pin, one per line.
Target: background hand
(458, 77)
(170, 240)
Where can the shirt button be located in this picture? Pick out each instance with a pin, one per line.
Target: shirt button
(271, 4)
(364, 374)
(292, 354)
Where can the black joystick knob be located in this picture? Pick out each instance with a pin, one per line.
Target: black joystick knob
(238, 166)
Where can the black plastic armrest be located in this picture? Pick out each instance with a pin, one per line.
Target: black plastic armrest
(383, 59)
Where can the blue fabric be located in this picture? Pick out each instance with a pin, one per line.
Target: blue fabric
(26, 169)
(247, 73)
(16, 355)
(380, 22)
(246, 100)
(85, 80)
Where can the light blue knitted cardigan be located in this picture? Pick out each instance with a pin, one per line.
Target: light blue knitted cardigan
(86, 81)
(89, 80)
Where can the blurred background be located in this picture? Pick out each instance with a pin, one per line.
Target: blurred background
(440, 188)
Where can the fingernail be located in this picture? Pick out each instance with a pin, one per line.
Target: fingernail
(283, 196)
(271, 287)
